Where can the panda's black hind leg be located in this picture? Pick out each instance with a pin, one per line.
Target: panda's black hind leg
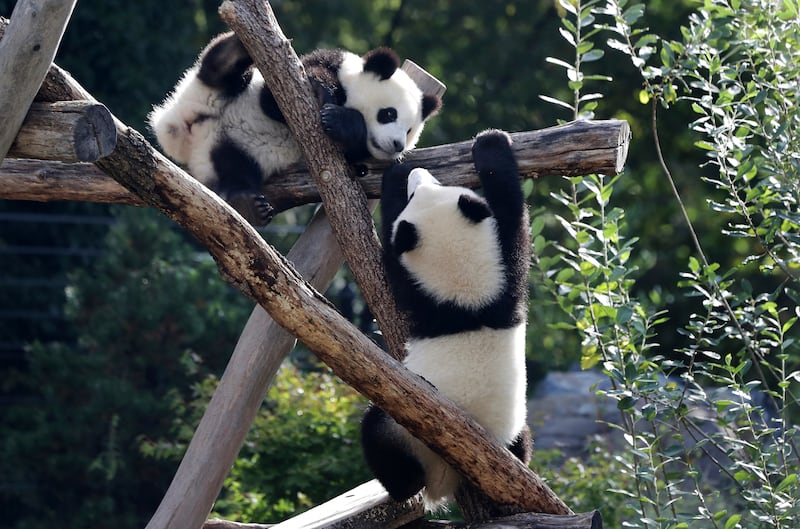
(389, 456)
(239, 183)
(226, 65)
(522, 447)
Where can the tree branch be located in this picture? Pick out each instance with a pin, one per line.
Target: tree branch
(574, 149)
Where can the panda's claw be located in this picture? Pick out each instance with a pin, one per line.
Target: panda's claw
(254, 207)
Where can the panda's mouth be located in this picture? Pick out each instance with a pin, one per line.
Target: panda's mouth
(381, 153)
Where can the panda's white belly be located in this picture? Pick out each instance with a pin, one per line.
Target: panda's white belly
(482, 371)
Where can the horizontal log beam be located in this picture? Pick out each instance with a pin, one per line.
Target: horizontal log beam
(47, 181)
(66, 131)
(577, 148)
(369, 506)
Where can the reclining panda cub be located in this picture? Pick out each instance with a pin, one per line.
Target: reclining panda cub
(458, 266)
(222, 122)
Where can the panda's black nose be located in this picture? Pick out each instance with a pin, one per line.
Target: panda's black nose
(399, 146)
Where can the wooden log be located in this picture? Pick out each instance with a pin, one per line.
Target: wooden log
(27, 49)
(368, 506)
(45, 181)
(259, 352)
(67, 131)
(574, 149)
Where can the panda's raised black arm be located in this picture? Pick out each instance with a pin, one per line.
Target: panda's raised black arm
(499, 175)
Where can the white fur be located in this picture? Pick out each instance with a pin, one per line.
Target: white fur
(193, 118)
(455, 260)
(483, 372)
(187, 118)
(368, 94)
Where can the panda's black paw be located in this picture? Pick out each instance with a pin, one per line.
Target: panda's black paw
(254, 207)
(331, 118)
(491, 150)
(345, 125)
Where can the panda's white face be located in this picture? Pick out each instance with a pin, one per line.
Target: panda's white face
(456, 257)
(392, 108)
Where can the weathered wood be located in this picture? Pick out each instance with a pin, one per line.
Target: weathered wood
(589, 520)
(429, 84)
(45, 181)
(345, 202)
(67, 131)
(577, 148)
(259, 352)
(366, 506)
(27, 49)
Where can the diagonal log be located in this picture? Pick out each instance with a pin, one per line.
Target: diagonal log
(259, 352)
(344, 200)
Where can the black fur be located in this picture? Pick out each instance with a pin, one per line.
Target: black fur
(473, 208)
(226, 65)
(240, 182)
(430, 105)
(383, 62)
(347, 127)
(390, 458)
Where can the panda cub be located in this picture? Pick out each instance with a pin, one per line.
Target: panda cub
(458, 266)
(222, 122)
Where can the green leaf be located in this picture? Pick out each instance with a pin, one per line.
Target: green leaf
(733, 521)
(787, 482)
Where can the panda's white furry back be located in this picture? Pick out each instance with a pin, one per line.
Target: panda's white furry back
(458, 265)
(223, 124)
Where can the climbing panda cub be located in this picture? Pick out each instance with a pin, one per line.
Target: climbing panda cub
(458, 266)
(222, 122)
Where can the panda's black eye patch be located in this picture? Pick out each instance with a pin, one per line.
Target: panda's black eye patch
(387, 115)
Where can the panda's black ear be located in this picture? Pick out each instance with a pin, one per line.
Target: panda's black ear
(382, 62)
(431, 105)
(406, 237)
(474, 208)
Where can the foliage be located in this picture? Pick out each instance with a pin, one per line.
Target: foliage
(734, 66)
(151, 316)
(301, 450)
